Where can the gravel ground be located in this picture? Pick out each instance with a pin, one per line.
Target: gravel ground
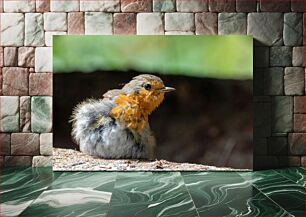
(72, 160)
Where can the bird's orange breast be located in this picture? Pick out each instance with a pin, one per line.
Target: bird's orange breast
(133, 110)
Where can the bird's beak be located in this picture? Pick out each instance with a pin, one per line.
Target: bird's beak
(168, 89)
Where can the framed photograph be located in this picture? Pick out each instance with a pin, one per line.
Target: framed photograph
(153, 102)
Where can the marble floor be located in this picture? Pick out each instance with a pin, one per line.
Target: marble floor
(42, 192)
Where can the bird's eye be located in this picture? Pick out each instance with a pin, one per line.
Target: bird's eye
(147, 86)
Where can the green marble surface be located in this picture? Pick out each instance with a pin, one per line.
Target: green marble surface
(284, 191)
(42, 192)
(296, 174)
(20, 187)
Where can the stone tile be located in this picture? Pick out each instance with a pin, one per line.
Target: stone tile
(271, 6)
(299, 123)
(1, 56)
(303, 161)
(34, 30)
(232, 23)
(163, 5)
(25, 114)
(179, 22)
(64, 6)
(258, 81)
(297, 5)
(25, 144)
(12, 29)
(9, 115)
(42, 161)
(40, 84)
(246, 5)
(304, 29)
(278, 145)
(294, 81)
(298, 56)
(282, 117)
(279, 134)
(10, 55)
(15, 81)
(19, 6)
(100, 5)
(17, 161)
(299, 104)
(265, 162)
(262, 119)
(49, 37)
(26, 56)
(5, 144)
(296, 143)
(76, 23)
(42, 5)
(289, 161)
(274, 81)
(98, 23)
(41, 114)
(55, 21)
(262, 99)
(260, 146)
(191, 5)
(43, 59)
(206, 23)
(179, 33)
(222, 5)
(136, 5)
(124, 23)
(293, 29)
(1, 81)
(46, 144)
(266, 28)
(150, 24)
(261, 57)
(280, 56)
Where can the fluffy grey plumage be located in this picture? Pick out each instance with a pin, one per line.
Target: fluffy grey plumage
(99, 133)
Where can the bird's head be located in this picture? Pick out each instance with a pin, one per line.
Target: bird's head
(137, 99)
(149, 89)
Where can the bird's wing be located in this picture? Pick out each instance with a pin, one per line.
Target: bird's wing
(89, 115)
(111, 94)
(101, 120)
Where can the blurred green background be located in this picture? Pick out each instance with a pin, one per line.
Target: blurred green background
(222, 57)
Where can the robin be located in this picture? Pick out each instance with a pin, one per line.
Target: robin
(117, 126)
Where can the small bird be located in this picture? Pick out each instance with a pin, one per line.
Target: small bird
(117, 126)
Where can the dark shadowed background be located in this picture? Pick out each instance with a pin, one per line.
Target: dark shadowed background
(204, 121)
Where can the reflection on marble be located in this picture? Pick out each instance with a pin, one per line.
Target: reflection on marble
(133, 187)
(126, 179)
(94, 180)
(151, 194)
(70, 202)
(13, 172)
(19, 187)
(296, 174)
(75, 194)
(227, 194)
(162, 208)
(285, 192)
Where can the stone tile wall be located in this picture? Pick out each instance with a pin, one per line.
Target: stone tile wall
(27, 27)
